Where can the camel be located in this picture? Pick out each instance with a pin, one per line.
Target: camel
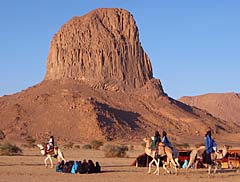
(55, 153)
(165, 155)
(217, 155)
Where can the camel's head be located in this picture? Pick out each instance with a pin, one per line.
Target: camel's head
(40, 146)
(147, 140)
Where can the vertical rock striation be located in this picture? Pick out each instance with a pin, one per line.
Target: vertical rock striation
(101, 48)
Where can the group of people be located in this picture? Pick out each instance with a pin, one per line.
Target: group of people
(157, 139)
(82, 167)
(210, 144)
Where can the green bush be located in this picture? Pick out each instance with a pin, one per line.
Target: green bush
(9, 149)
(87, 146)
(96, 144)
(115, 150)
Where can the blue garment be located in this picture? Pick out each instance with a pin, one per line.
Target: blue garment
(209, 144)
(185, 164)
(166, 141)
(58, 169)
(74, 167)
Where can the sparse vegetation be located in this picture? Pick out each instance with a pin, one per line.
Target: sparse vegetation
(143, 144)
(68, 145)
(87, 146)
(77, 146)
(9, 149)
(115, 150)
(96, 144)
(130, 147)
(30, 141)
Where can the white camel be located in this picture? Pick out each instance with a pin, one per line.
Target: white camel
(217, 155)
(55, 153)
(165, 155)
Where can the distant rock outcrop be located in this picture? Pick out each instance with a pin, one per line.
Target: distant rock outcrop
(223, 105)
(102, 49)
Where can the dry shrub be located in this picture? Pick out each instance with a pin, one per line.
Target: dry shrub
(10, 149)
(143, 144)
(115, 150)
(77, 146)
(130, 147)
(87, 146)
(68, 145)
(96, 144)
(30, 141)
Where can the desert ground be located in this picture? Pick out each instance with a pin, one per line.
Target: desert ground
(30, 167)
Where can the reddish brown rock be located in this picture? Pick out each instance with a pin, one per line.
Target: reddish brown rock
(102, 49)
(99, 85)
(223, 105)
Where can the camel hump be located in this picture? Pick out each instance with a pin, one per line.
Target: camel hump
(161, 144)
(50, 151)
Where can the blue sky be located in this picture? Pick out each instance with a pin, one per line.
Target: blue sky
(194, 45)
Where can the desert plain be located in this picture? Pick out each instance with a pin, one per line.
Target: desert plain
(30, 167)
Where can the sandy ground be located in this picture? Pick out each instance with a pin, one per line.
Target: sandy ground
(29, 167)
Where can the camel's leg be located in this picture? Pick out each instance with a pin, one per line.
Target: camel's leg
(216, 164)
(157, 169)
(176, 161)
(45, 161)
(150, 165)
(51, 161)
(165, 168)
(61, 158)
(175, 166)
(209, 170)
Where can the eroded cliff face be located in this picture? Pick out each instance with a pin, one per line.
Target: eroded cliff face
(99, 85)
(101, 48)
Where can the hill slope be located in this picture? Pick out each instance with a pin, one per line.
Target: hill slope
(99, 85)
(225, 106)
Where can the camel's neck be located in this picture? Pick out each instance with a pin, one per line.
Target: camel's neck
(147, 145)
(223, 154)
(224, 151)
(161, 149)
(42, 150)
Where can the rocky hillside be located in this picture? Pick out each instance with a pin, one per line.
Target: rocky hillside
(225, 105)
(99, 85)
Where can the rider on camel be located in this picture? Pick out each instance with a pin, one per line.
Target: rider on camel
(165, 140)
(156, 140)
(210, 145)
(50, 144)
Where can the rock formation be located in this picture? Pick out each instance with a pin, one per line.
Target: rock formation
(102, 49)
(222, 105)
(99, 85)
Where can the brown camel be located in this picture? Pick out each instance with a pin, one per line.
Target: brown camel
(217, 155)
(164, 154)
